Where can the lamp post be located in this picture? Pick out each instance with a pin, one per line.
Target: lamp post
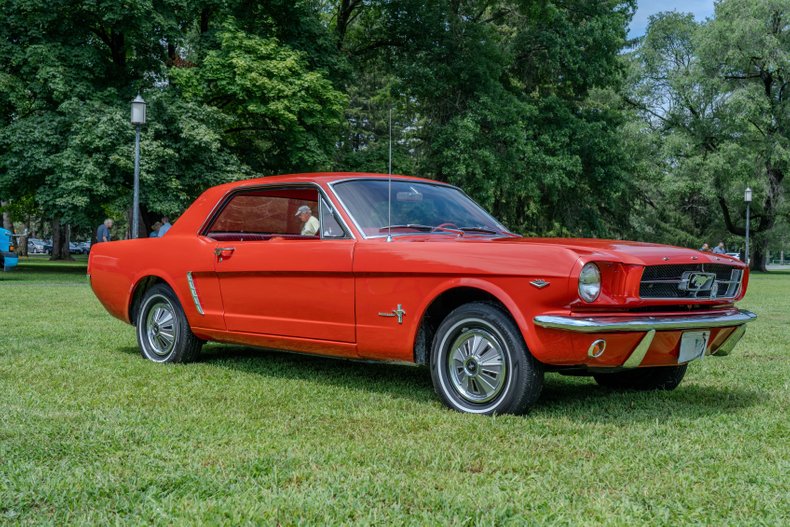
(138, 119)
(747, 198)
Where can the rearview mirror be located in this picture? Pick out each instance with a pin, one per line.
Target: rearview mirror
(408, 196)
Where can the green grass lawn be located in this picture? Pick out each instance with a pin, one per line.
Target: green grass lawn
(90, 433)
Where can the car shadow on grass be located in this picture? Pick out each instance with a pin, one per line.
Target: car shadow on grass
(578, 398)
(396, 380)
(584, 400)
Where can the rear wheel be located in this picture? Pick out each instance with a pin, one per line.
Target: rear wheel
(657, 378)
(480, 364)
(163, 332)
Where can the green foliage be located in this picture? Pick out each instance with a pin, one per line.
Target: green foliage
(494, 97)
(528, 105)
(716, 94)
(280, 115)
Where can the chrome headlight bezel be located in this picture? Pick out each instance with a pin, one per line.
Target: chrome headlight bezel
(589, 283)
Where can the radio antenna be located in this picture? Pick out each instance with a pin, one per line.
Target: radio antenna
(389, 182)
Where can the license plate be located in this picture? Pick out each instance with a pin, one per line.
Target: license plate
(693, 345)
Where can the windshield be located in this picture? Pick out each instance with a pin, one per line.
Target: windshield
(416, 207)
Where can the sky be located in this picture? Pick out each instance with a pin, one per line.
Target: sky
(701, 9)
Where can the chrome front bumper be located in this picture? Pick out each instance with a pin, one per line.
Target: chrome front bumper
(651, 324)
(609, 324)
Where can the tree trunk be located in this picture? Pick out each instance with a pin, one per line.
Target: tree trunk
(21, 245)
(6, 217)
(60, 241)
(759, 252)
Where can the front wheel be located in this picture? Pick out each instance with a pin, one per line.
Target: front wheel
(655, 378)
(163, 332)
(480, 364)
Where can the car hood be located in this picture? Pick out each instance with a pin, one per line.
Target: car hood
(634, 253)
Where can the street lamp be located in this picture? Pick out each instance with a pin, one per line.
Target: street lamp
(747, 197)
(138, 119)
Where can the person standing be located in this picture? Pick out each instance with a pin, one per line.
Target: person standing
(155, 229)
(719, 249)
(705, 248)
(165, 226)
(103, 232)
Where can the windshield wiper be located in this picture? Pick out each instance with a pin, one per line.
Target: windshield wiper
(485, 230)
(415, 226)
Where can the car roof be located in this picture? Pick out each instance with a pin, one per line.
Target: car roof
(196, 214)
(321, 178)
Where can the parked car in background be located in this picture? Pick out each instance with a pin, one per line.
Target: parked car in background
(411, 270)
(79, 247)
(734, 255)
(47, 246)
(8, 255)
(35, 246)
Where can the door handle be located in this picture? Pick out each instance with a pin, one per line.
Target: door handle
(223, 252)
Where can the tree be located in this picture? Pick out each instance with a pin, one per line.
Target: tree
(495, 96)
(717, 93)
(68, 72)
(747, 47)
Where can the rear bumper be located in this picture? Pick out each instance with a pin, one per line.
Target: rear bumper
(609, 324)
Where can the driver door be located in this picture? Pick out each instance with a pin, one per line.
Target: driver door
(273, 280)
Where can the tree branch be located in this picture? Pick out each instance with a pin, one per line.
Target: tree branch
(728, 220)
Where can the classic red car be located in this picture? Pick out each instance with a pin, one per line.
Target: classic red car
(405, 269)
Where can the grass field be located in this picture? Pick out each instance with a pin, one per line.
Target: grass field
(92, 434)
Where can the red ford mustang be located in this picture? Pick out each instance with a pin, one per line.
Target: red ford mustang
(412, 270)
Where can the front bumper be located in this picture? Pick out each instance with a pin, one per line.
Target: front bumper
(609, 324)
(632, 341)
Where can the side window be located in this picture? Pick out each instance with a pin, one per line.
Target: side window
(263, 214)
(330, 226)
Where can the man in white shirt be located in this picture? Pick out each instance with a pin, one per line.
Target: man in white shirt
(310, 223)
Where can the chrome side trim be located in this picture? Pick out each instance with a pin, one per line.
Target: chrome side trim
(638, 355)
(192, 290)
(728, 345)
(606, 324)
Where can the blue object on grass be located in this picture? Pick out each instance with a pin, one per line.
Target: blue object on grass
(8, 256)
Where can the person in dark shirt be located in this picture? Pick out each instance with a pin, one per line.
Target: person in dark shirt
(103, 232)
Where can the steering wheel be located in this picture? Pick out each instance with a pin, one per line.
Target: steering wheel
(445, 227)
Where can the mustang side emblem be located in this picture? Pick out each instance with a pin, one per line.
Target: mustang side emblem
(399, 312)
(540, 284)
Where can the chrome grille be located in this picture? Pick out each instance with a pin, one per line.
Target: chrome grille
(690, 281)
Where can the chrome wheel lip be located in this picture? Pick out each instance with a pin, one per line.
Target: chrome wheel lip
(161, 329)
(477, 364)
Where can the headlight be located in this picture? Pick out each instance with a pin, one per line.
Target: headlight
(589, 282)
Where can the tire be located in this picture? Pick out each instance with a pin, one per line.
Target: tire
(480, 364)
(644, 379)
(163, 332)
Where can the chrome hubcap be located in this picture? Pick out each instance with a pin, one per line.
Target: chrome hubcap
(161, 329)
(477, 365)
